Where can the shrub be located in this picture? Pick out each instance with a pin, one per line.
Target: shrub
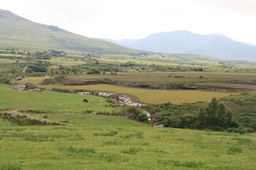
(48, 81)
(93, 71)
(142, 118)
(132, 112)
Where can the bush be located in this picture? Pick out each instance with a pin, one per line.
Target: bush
(142, 118)
(93, 71)
(48, 81)
(132, 112)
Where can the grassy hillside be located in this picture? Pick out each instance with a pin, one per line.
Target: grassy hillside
(17, 32)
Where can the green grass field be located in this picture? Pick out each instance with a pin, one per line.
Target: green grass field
(171, 77)
(86, 141)
(51, 101)
(106, 142)
(65, 62)
(183, 77)
(162, 59)
(152, 96)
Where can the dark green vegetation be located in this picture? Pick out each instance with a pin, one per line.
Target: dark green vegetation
(215, 116)
(234, 114)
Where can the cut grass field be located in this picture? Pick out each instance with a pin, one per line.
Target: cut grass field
(151, 96)
(52, 102)
(106, 142)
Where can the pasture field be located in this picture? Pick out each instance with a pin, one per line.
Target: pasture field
(11, 55)
(151, 96)
(184, 77)
(9, 61)
(34, 80)
(162, 59)
(177, 77)
(51, 102)
(65, 62)
(186, 60)
(106, 142)
(248, 86)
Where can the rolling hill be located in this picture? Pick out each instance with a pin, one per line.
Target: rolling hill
(18, 32)
(215, 45)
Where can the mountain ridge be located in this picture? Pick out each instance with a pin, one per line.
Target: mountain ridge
(6, 14)
(215, 45)
(19, 32)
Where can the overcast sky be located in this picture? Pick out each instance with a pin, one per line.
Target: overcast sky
(132, 19)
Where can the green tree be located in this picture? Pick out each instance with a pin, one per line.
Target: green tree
(211, 112)
(215, 115)
(222, 115)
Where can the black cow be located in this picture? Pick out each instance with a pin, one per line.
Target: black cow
(85, 101)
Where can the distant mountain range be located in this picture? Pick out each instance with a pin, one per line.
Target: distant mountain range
(18, 32)
(215, 45)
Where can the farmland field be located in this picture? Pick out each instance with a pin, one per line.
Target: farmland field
(152, 96)
(54, 130)
(173, 77)
(11, 99)
(65, 62)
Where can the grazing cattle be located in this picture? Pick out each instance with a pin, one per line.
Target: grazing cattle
(85, 101)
